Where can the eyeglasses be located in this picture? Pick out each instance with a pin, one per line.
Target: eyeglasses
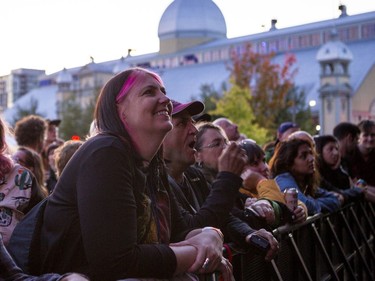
(217, 143)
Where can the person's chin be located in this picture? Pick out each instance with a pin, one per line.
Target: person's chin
(167, 126)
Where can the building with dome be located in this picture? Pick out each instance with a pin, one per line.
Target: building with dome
(337, 72)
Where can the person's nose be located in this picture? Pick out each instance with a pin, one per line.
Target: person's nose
(264, 167)
(164, 98)
(311, 158)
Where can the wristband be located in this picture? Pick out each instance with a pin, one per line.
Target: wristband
(228, 252)
(218, 231)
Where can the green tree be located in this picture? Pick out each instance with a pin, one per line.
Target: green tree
(76, 119)
(209, 96)
(274, 96)
(298, 112)
(235, 105)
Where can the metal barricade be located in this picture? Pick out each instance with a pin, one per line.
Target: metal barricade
(337, 246)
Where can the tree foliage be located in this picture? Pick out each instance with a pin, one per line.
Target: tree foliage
(235, 105)
(210, 96)
(76, 119)
(275, 98)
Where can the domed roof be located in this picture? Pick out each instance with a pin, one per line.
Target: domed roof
(188, 18)
(334, 50)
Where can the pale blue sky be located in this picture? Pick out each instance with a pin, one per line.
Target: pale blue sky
(53, 34)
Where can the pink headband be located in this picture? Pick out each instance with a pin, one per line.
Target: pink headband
(126, 87)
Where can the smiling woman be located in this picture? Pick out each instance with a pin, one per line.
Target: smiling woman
(110, 215)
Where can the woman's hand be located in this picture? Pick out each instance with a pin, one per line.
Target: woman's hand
(264, 210)
(250, 201)
(209, 250)
(232, 159)
(299, 215)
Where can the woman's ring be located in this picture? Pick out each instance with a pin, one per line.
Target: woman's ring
(206, 263)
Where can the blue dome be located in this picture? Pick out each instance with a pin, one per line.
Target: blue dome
(192, 18)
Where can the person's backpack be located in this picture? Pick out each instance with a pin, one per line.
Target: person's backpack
(24, 244)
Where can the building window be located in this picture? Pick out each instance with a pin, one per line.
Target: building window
(305, 41)
(368, 31)
(315, 40)
(174, 62)
(167, 63)
(273, 46)
(224, 54)
(349, 33)
(283, 45)
(294, 42)
(207, 56)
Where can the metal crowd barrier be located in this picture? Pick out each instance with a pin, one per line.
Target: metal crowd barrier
(337, 246)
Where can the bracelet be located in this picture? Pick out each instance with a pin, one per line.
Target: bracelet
(218, 231)
(228, 252)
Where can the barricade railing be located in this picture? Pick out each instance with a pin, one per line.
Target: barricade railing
(337, 246)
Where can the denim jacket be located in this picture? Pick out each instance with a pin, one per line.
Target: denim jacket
(323, 202)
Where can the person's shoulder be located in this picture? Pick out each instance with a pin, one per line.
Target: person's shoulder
(195, 175)
(285, 180)
(20, 170)
(106, 141)
(193, 171)
(283, 175)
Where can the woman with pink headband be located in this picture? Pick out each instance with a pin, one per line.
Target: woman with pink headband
(112, 215)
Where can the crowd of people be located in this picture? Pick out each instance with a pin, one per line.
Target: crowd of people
(157, 191)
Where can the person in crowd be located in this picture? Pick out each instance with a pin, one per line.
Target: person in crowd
(50, 170)
(333, 175)
(286, 129)
(112, 215)
(64, 153)
(52, 133)
(362, 161)
(19, 190)
(259, 185)
(283, 131)
(211, 142)
(29, 131)
(302, 135)
(202, 117)
(230, 128)
(294, 166)
(347, 135)
(32, 161)
(51, 142)
(203, 205)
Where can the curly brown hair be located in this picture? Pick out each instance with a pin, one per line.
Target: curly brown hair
(30, 131)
